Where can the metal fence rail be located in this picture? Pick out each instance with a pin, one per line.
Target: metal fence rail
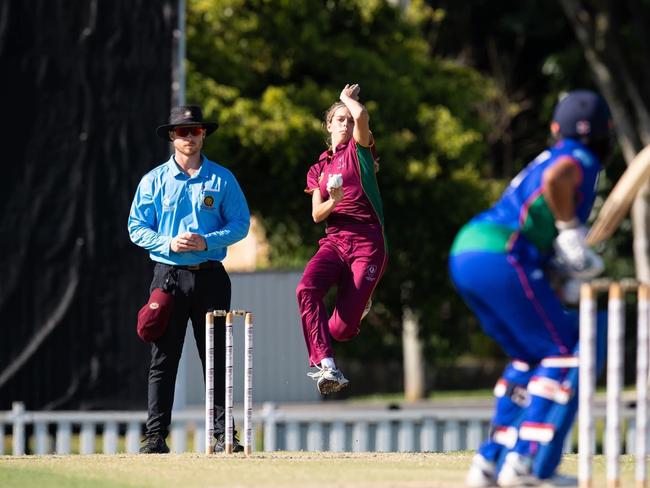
(374, 430)
(308, 429)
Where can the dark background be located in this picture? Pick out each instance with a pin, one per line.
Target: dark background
(83, 86)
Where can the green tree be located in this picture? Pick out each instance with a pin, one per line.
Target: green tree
(615, 45)
(268, 70)
(537, 50)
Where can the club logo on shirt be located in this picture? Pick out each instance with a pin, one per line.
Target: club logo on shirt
(208, 201)
(583, 127)
(154, 305)
(371, 273)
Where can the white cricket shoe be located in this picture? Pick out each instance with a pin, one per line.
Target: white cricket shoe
(481, 473)
(329, 380)
(516, 471)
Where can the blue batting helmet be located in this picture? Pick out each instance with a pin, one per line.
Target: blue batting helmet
(583, 115)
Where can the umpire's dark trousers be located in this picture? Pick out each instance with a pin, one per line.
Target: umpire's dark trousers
(197, 292)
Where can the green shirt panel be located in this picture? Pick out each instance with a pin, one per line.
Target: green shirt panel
(482, 236)
(369, 180)
(539, 226)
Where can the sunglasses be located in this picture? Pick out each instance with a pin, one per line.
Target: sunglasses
(185, 131)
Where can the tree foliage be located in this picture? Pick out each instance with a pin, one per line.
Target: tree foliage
(615, 42)
(267, 70)
(534, 51)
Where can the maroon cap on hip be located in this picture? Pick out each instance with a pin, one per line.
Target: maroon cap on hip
(153, 318)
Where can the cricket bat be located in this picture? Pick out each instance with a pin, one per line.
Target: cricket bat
(620, 199)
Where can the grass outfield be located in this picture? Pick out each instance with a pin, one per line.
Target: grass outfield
(279, 469)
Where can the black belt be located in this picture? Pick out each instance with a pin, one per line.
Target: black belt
(203, 265)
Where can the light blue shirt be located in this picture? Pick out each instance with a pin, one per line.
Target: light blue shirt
(168, 202)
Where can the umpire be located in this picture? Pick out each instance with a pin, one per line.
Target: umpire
(185, 213)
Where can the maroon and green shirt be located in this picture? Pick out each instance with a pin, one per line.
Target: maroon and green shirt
(362, 202)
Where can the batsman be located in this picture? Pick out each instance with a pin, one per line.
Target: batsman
(501, 263)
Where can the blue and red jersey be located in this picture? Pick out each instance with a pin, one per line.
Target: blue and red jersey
(521, 221)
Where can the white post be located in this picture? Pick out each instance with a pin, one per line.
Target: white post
(110, 437)
(428, 436)
(412, 359)
(270, 427)
(615, 338)
(229, 384)
(474, 435)
(2, 438)
(87, 438)
(209, 381)
(360, 436)
(18, 434)
(248, 385)
(199, 438)
(587, 384)
(42, 438)
(451, 436)
(406, 436)
(292, 436)
(132, 437)
(63, 437)
(337, 437)
(179, 436)
(315, 436)
(642, 371)
(383, 436)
